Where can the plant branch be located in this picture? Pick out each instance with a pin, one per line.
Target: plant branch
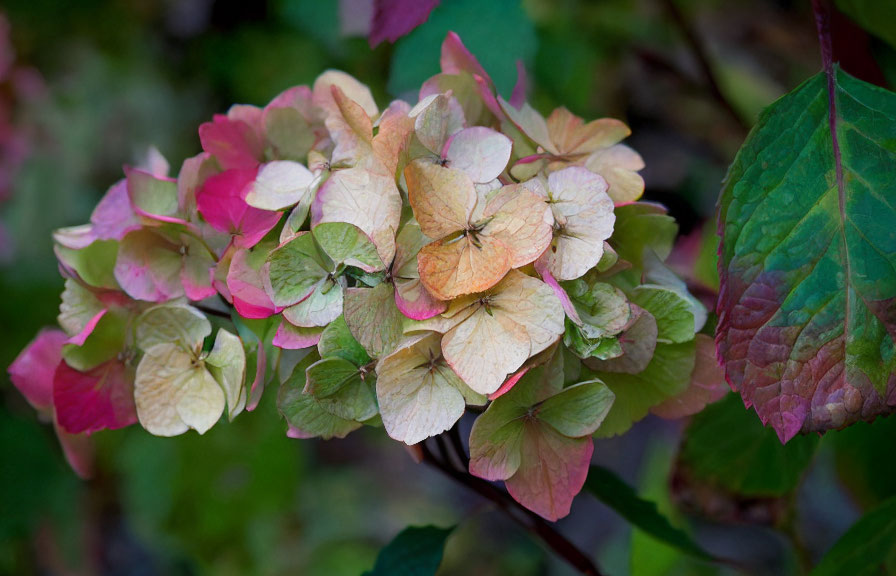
(525, 518)
(701, 54)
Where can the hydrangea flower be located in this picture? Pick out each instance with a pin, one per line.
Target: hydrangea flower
(390, 266)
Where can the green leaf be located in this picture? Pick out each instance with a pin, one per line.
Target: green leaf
(342, 389)
(808, 258)
(347, 244)
(875, 16)
(857, 451)
(294, 269)
(498, 33)
(640, 226)
(79, 305)
(602, 348)
(337, 342)
(603, 309)
(610, 489)
(94, 263)
(289, 133)
(727, 446)
(577, 410)
(304, 412)
(152, 195)
(866, 549)
(674, 319)
(373, 318)
(416, 551)
(667, 374)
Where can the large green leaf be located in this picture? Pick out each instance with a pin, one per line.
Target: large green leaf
(868, 547)
(610, 489)
(416, 551)
(727, 447)
(807, 308)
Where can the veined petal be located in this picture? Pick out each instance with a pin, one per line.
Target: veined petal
(442, 198)
(279, 184)
(480, 152)
(419, 395)
(521, 221)
(450, 268)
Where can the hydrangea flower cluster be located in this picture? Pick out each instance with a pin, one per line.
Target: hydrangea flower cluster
(391, 268)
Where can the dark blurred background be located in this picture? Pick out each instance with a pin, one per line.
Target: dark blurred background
(88, 86)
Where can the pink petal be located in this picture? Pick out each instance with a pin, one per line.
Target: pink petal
(78, 450)
(99, 399)
(255, 225)
(297, 433)
(392, 19)
(552, 472)
(154, 163)
(197, 269)
(518, 96)
(192, 176)
(197, 279)
(114, 216)
(218, 274)
(81, 337)
(233, 142)
(456, 58)
(221, 201)
(297, 96)
(148, 267)
(75, 237)
(32, 370)
(415, 302)
(294, 338)
(246, 287)
(541, 266)
(487, 93)
(509, 383)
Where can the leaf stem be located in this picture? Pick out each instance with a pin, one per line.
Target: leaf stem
(533, 523)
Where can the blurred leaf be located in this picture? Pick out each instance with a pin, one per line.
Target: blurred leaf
(498, 33)
(866, 549)
(34, 480)
(643, 514)
(416, 551)
(875, 16)
(319, 20)
(728, 446)
(857, 451)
